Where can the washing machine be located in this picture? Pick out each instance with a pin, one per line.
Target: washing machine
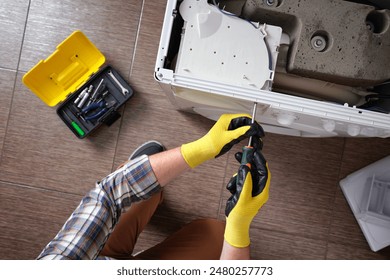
(212, 61)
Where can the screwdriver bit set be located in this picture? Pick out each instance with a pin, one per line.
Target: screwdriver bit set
(72, 77)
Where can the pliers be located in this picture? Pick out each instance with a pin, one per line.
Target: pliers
(98, 109)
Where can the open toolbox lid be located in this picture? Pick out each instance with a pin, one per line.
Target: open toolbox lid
(65, 70)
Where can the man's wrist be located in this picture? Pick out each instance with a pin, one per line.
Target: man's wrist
(237, 231)
(196, 152)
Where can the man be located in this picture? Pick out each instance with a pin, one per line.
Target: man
(109, 219)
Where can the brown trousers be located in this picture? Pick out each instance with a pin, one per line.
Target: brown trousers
(200, 239)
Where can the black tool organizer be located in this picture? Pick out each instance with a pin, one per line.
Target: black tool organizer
(109, 95)
(62, 79)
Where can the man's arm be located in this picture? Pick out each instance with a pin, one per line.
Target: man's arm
(87, 229)
(168, 165)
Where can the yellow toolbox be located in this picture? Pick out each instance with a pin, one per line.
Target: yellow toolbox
(72, 77)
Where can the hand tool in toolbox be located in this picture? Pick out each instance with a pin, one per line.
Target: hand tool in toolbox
(72, 76)
(74, 124)
(98, 109)
(101, 86)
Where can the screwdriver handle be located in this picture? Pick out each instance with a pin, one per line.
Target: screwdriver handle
(245, 151)
(77, 128)
(249, 148)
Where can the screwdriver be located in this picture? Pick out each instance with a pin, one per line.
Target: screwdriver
(247, 149)
(74, 125)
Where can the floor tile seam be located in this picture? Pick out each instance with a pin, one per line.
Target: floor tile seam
(21, 45)
(136, 39)
(334, 199)
(31, 187)
(8, 118)
(8, 69)
(113, 167)
(24, 35)
(15, 81)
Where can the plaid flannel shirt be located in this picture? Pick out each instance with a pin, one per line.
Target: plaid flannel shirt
(87, 229)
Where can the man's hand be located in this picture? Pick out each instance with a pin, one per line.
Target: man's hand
(227, 131)
(249, 189)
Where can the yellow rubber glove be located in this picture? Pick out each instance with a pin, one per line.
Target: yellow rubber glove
(227, 131)
(250, 190)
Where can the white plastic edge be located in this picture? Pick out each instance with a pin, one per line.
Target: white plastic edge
(282, 101)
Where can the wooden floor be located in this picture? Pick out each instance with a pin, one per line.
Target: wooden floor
(45, 170)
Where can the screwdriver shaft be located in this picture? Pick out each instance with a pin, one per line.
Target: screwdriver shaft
(253, 120)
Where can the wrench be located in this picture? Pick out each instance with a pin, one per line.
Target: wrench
(123, 89)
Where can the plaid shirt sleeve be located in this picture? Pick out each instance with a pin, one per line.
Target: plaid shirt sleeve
(87, 229)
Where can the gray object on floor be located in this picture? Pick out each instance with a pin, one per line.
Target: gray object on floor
(368, 194)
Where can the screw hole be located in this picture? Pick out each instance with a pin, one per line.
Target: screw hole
(377, 22)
